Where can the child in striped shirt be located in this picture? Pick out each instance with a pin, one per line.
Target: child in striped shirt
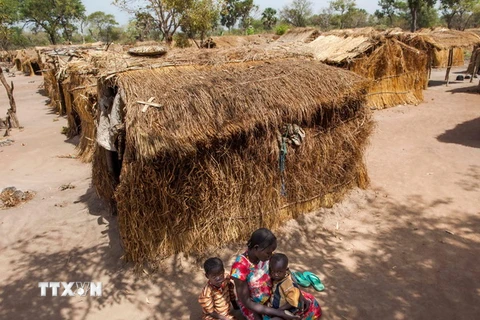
(218, 296)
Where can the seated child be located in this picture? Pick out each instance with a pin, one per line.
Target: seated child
(217, 297)
(286, 294)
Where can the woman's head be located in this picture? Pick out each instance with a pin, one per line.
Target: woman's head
(262, 244)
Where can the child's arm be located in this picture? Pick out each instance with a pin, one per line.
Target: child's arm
(206, 301)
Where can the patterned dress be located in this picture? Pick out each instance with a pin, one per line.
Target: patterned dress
(257, 278)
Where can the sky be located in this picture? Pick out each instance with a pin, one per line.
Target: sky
(122, 17)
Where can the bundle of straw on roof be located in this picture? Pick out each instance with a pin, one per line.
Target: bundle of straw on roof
(201, 160)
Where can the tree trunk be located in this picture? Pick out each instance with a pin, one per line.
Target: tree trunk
(413, 26)
(12, 120)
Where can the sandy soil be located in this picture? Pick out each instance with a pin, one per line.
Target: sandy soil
(406, 248)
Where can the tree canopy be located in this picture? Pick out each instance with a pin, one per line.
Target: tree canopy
(53, 16)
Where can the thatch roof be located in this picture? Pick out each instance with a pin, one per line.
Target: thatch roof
(300, 35)
(203, 104)
(448, 39)
(337, 49)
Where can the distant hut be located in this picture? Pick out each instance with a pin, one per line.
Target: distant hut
(201, 155)
(438, 42)
(398, 71)
(304, 35)
(27, 61)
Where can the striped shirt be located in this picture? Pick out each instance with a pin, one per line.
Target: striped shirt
(213, 299)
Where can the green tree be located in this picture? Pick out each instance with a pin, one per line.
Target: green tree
(297, 13)
(8, 17)
(101, 26)
(343, 9)
(233, 11)
(167, 14)
(53, 16)
(415, 8)
(389, 9)
(457, 13)
(200, 19)
(145, 26)
(269, 18)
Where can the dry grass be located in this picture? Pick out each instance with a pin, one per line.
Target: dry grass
(203, 169)
(11, 197)
(304, 35)
(398, 71)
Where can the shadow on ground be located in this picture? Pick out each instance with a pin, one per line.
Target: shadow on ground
(473, 88)
(466, 134)
(416, 268)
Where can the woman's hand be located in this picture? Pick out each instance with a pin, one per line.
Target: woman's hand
(289, 316)
(304, 304)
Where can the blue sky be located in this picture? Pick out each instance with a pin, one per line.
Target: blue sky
(122, 17)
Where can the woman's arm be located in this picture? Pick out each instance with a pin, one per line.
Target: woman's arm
(243, 295)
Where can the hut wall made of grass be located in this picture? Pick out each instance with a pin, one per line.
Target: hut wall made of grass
(202, 165)
(398, 72)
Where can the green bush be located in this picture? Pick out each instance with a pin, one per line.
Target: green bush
(281, 29)
(181, 40)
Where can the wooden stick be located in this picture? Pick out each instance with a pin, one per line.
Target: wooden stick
(449, 65)
(12, 119)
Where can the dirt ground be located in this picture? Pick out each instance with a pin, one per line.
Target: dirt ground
(406, 248)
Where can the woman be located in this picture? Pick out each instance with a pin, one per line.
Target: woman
(253, 283)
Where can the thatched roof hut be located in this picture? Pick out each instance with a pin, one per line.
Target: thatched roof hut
(440, 44)
(27, 61)
(201, 155)
(304, 35)
(398, 71)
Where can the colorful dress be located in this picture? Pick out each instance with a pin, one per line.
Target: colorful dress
(257, 278)
(214, 299)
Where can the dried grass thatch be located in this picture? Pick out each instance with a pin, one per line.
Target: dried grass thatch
(27, 61)
(399, 72)
(474, 65)
(201, 160)
(304, 35)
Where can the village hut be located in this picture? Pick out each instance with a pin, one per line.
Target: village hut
(195, 156)
(439, 43)
(303, 35)
(398, 71)
(27, 61)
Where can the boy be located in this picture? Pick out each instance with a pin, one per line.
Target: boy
(286, 294)
(217, 297)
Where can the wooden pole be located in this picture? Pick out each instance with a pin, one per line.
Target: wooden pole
(12, 120)
(449, 65)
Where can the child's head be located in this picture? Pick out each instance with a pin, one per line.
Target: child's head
(278, 266)
(263, 242)
(214, 271)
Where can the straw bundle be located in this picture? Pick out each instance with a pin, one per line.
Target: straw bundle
(201, 165)
(80, 90)
(440, 58)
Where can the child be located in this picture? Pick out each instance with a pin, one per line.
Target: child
(285, 293)
(217, 297)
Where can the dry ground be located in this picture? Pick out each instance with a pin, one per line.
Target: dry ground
(406, 248)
